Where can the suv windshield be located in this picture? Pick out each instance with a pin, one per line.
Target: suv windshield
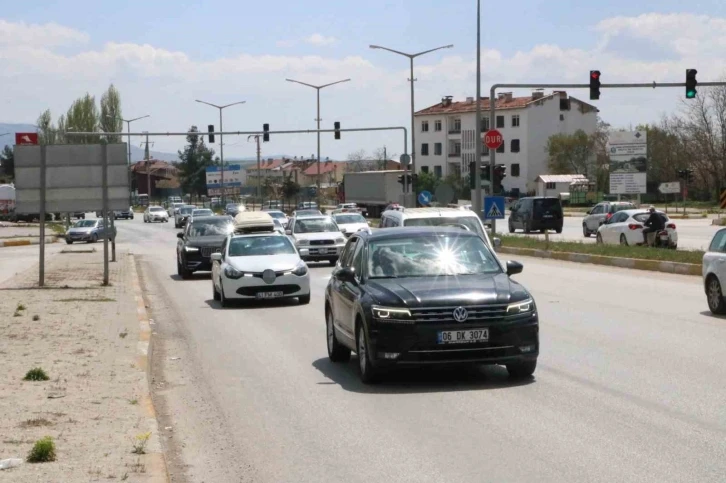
(255, 246)
(315, 225)
(85, 224)
(430, 256)
(186, 210)
(345, 219)
(470, 222)
(221, 226)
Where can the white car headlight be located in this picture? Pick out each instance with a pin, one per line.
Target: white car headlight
(302, 241)
(301, 269)
(340, 240)
(191, 249)
(233, 273)
(520, 307)
(384, 313)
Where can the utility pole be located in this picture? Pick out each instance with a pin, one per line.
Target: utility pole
(477, 202)
(385, 158)
(128, 143)
(148, 168)
(259, 159)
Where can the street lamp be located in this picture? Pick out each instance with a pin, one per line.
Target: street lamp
(413, 129)
(221, 138)
(317, 88)
(128, 127)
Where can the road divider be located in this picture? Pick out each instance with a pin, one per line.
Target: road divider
(26, 241)
(639, 258)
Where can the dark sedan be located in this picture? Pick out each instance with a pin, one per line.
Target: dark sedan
(419, 296)
(202, 237)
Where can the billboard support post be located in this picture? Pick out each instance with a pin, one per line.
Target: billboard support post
(104, 187)
(41, 265)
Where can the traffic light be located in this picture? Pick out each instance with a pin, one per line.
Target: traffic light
(210, 130)
(594, 85)
(500, 172)
(401, 179)
(689, 175)
(472, 175)
(265, 133)
(486, 172)
(691, 83)
(336, 124)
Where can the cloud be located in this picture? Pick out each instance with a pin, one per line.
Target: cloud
(46, 35)
(319, 39)
(285, 43)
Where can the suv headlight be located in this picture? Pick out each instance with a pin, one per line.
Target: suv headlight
(191, 249)
(520, 307)
(302, 241)
(301, 269)
(384, 313)
(233, 273)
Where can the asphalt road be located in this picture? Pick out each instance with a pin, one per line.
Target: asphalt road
(629, 387)
(692, 234)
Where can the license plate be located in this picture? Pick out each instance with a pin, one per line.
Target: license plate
(268, 295)
(664, 237)
(468, 336)
(322, 251)
(547, 216)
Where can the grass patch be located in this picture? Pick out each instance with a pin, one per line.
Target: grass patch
(617, 251)
(35, 423)
(43, 451)
(20, 307)
(99, 299)
(58, 228)
(133, 402)
(140, 443)
(36, 374)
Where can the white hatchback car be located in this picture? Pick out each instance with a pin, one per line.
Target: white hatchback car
(626, 228)
(156, 213)
(259, 266)
(714, 272)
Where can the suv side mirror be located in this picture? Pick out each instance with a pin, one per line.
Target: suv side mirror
(514, 268)
(216, 257)
(345, 274)
(180, 235)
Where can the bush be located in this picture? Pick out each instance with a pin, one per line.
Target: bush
(43, 451)
(36, 374)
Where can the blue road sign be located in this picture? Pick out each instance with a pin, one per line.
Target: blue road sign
(425, 197)
(494, 207)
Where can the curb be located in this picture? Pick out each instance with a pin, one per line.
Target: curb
(27, 241)
(632, 263)
(155, 460)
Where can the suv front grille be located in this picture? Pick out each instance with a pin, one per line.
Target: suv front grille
(207, 251)
(322, 242)
(446, 314)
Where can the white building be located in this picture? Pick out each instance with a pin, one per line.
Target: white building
(555, 184)
(445, 134)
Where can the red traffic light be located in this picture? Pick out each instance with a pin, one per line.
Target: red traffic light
(595, 74)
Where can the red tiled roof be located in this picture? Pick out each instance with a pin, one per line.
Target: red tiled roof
(154, 165)
(266, 164)
(500, 103)
(325, 167)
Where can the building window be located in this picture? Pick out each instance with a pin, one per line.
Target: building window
(424, 169)
(500, 121)
(515, 146)
(437, 171)
(515, 169)
(454, 149)
(456, 126)
(562, 117)
(500, 149)
(425, 149)
(550, 186)
(424, 126)
(515, 120)
(437, 125)
(484, 124)
(438, 149)
(484, 150)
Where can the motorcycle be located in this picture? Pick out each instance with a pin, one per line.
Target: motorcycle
(659, 239)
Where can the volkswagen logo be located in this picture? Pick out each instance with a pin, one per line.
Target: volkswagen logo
(268, 276)
(460, 314)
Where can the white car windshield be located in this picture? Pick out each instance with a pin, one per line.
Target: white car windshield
(346, 219)
(315, 225)
(255, 246)
(470, 222)
(430, 256)
(156, 208)
(277, 214)
(217, 227)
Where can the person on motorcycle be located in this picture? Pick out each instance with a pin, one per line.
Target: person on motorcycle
(653, 224)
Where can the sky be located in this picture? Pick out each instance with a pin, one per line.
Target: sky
(163, 55)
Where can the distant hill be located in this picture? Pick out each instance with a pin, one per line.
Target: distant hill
(137, 153)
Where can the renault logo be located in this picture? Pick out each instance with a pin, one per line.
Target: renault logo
(268, 276)
(460, 314)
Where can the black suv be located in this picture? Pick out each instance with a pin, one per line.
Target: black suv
(198, 241)
(536, 213)
(418, 296)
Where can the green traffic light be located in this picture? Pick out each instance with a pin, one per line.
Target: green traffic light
(691, 94)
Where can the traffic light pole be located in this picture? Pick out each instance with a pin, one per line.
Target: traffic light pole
(492, 116)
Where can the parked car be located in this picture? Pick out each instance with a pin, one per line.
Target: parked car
(536, 213)
(201, 237)
(154, 214)
(428, 295)
(89, 231)
(626, 228)
(714, 272)
(602, 212)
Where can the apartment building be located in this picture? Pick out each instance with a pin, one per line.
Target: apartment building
(446, 133)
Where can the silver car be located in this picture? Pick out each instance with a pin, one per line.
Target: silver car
(89, 231)
(601, 213)
(156, 213)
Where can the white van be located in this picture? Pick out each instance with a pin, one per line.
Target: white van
(465, 219)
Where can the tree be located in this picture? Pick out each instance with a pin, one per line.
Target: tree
(7, 162)
(380, 155)
(195, 158)
(290, 189)
(82, 116)
(47, 133)
(427, 182)
(110, 120)
(357, 161)
(571, 153)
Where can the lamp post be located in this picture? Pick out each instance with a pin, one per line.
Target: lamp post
(128, 129)
(221, 139)
(317, 88)
(413, 129)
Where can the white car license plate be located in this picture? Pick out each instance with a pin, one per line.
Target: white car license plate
(322, 251)
(467, 336)
(268, 295)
